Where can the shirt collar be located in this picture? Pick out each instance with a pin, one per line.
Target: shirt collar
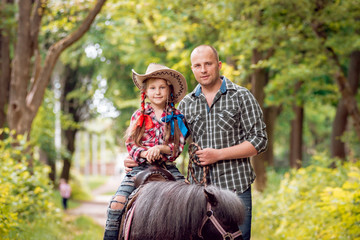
(223, 87)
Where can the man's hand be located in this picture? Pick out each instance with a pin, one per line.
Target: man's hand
(129, 163)
(208, 156)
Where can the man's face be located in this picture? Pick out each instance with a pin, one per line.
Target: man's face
(205, 66)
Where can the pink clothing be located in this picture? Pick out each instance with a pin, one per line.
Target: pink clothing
(152, 137)
(65, 190)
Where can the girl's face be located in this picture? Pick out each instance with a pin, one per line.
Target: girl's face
(157, 91)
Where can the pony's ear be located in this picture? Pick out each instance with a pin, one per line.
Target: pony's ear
(210, 197)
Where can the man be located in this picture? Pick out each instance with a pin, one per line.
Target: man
(226, 121)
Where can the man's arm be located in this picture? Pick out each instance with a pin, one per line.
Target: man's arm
(210, 155)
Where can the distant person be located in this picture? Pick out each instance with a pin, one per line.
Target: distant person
(65, 192)
(156, 133)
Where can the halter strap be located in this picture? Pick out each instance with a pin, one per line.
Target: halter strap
(210, 216)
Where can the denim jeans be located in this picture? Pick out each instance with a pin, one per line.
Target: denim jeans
(246, 226)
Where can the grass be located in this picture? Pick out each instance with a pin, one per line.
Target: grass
(82, 227)
(58, 201)
(95, 181)
(66, 228)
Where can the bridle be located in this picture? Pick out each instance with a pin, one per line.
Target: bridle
(210, 216)
(193, 159)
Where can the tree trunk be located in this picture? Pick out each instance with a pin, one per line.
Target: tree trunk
(270, 116)
(296, 137)
(341, 117)
(18, 111)
(70, 146)
(5, 69)
(23, 105)
(345, 89)
(258, 81)
(338, 128)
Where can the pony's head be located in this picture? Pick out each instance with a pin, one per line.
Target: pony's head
(222, 222)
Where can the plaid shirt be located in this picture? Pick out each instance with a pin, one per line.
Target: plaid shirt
(234, 117)
(152, 137)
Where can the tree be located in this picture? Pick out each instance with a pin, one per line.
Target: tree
(323, 29)
(342, 113)
(29, 78)
(7, 10)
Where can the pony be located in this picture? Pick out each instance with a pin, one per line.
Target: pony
(176, 211)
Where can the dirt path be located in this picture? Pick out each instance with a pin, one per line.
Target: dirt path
(96, 208)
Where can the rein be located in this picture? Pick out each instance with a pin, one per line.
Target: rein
(193, 147)
(210, 216)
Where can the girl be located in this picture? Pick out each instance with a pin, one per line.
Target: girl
(156, 134)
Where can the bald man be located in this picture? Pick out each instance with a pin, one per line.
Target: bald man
(226, 121)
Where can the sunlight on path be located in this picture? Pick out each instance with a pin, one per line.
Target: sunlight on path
(96, 208)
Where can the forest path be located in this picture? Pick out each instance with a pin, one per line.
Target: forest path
(96, 208)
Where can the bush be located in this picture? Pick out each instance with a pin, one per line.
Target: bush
(25, 194)
(315, 202)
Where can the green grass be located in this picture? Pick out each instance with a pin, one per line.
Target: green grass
(85, 228)
(65, 228)
(95, 181)
(58, 201)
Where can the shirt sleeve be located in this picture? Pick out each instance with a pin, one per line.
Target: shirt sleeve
(253, 122)
(133, 149)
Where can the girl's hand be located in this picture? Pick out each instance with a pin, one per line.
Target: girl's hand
(153, 154)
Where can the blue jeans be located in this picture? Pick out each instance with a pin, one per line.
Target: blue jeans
(246, 226)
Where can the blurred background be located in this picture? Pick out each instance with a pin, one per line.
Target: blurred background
(66, 98)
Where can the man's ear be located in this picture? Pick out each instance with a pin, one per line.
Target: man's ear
(210, 197)
(220, 64)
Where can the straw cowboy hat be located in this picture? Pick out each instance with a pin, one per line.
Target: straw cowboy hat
(155, 70)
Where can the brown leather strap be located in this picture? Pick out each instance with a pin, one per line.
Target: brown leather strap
(153, 173)
(210, 216)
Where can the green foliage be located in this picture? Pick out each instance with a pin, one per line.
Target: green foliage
(43, 127)
(315, 202)
(95, 181)
(69, 228)
(7, 11)
(25, 194)
(353, 142)
(80, 191)
(85, 229)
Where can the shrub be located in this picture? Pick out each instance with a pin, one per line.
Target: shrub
(25, 194)
(315, 202)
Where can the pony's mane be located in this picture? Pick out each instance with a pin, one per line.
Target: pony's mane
(175, 210)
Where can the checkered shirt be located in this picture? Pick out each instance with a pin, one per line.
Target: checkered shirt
(234, 117)
(153, 136)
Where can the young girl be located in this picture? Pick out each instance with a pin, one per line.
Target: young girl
(156, 134)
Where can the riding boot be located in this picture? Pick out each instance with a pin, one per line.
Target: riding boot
(112, 224)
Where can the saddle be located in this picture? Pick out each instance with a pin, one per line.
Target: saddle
(153, 173)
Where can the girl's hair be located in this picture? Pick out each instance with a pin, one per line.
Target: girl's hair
(135, 133)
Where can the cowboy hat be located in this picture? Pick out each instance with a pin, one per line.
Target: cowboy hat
(154, 70)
